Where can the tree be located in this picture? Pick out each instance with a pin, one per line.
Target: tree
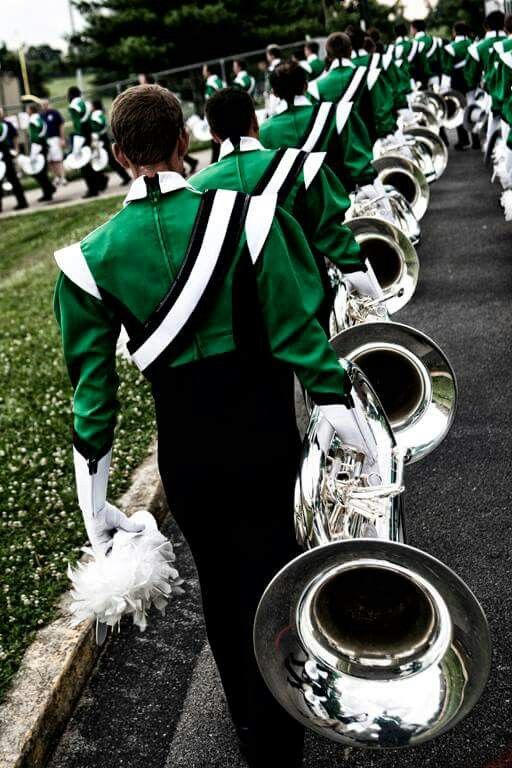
(9, 62)
(122, 37)
(442, 17)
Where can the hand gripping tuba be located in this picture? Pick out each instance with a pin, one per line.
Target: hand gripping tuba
(363, 639)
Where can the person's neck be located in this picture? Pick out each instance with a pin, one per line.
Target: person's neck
(153, 169)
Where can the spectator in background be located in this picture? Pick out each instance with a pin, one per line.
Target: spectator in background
(273, 55)
(12, 137)
(313, 64)
(6, 147)
(56, 141)
(145, 78)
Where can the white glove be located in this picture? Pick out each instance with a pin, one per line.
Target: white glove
(35, 149)
(364, 283)
(102, 526)
(78, 143)
(352, 428)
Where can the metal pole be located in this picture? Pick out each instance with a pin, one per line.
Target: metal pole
(24, 71)
(223, 70)
(78, 73)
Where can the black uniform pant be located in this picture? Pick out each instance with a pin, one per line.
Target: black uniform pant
(228, 452)
(43, 180)
(95, 182)
(12, 177)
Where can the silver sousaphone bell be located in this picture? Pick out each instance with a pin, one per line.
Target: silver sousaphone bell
(32, 164)
(406, 177)
(455, 105)
(363, 639)
(80, 155)
(99, 155)
(435, 156)
(434, 102)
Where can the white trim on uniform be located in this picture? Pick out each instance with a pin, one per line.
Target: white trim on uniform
(207, 258)
(312, 165)
(168, 181)
(343, 111)
(318, 126)
(354, 84)
(247, 144)
(73, 264)
(258, 222)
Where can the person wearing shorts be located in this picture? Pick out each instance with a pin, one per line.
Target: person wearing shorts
(56, 141)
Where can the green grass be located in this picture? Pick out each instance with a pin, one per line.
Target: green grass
(41, 527)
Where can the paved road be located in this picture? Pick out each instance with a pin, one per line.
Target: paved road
(73, 192)
(154, 699)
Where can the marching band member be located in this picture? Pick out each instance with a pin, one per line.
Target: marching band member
(243, 79)
(313, 64)
(338, 129)
(273, 57)
(349, 82)
(455, 54)
(80, 113)
(427, 60)
(304, 185)
(39, 144)
(213, 84)
(99, 125)
(10, 170)
(477, 62)
(218, 330)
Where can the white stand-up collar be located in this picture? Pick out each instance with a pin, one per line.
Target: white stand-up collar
(459, 38)
(247, 144)
(400, 39)
(343, 63)
(168, 181)
(418, 35)
(301, 101)
(492, 33)
(312, 57)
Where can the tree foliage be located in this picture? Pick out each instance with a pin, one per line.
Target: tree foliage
(442, 17)
(9, 62)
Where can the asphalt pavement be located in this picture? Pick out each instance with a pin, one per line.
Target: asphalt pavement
(154, 699)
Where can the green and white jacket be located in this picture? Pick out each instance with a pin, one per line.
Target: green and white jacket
(79, 112)
(478, 58)
(245, 81)
(336, 129)
(37, 130)
(349, 82)
(313, 65)
(214, 83)
(305, 187)
(98, 122)
(165, 267)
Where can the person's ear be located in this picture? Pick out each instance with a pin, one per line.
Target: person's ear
(120, 156)
(183, 142)
(217, 139)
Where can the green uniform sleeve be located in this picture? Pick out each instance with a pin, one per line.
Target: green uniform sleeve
(89, 334)
(322, 210)
(75, 119)
(354, 150)
(294, 333)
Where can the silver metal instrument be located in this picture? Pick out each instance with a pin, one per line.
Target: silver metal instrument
(455, 106)
(365, 640)
(435, 150)
(398, 171)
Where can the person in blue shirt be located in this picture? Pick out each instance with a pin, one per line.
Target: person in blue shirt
(56, 141)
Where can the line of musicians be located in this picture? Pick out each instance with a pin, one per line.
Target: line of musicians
(221, 284)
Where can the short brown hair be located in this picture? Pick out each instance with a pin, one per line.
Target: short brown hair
(338, 46)
(288, 80)
(147, 122)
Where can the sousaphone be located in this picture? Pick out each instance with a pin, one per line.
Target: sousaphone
(398, 171)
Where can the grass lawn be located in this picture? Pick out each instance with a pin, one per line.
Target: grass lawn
(40, 524)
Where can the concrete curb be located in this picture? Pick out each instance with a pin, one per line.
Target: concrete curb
(59, 661)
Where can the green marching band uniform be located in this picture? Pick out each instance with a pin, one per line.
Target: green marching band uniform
(354, 83)
(213, 84)
(37, 135)
(313, 65)
(80, 114)
(427, 62)
(10, 170)
(220, 326)
(478, 56)
(336, 129)
(245, 81)
(454, 61)
(307, 189)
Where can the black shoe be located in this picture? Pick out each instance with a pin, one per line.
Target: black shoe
(461, 147)
(46, 198)
(90, 193)
(21, 206)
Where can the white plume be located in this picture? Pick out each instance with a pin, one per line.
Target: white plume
(136, 574)
(506, 202)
